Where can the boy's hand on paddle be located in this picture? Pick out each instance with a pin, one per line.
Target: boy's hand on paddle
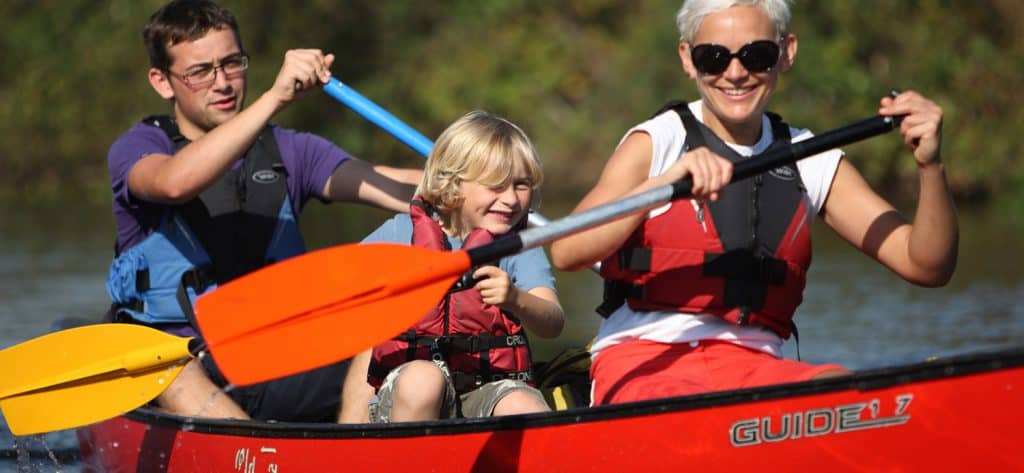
(302, 70)
(495, 286)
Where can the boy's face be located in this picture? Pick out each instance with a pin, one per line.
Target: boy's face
(495, 209)
(201, 107)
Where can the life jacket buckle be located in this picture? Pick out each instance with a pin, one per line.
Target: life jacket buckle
(440, 347)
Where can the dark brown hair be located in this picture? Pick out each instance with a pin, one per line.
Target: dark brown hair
(183, 20)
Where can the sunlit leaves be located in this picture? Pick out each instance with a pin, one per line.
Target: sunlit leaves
(575, 74)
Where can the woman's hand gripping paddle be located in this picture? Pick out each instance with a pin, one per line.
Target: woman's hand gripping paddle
(328, 305)
(87, 374)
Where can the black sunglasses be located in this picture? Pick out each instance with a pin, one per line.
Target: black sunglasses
(758, 56)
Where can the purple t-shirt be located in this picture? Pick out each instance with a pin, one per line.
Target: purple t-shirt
(308, 159)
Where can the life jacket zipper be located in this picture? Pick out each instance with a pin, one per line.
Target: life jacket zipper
(698, 206)
(184, 231)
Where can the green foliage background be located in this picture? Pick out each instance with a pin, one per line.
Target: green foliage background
(575, 74)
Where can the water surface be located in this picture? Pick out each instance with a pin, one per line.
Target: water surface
(53, 263)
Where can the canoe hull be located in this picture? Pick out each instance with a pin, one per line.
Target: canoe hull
(934, 416)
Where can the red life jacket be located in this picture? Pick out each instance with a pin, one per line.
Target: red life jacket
(743, 258)
(479, 342)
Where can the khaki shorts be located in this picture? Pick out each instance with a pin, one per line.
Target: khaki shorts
(479, 402)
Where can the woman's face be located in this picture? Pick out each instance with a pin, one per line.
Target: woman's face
(735, 98)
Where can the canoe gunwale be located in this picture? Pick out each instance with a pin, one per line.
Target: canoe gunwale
(861, 381)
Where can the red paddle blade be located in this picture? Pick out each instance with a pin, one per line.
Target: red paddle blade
(321, 307)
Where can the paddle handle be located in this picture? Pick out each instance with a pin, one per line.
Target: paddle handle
(777, 157)
(391, 124)
(196, 346)
(769, 160)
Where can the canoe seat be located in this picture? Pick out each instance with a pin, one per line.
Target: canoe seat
(565, 379)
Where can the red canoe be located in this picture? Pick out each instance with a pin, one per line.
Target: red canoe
(954, 414)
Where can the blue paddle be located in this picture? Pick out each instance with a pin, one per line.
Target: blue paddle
(391, 124)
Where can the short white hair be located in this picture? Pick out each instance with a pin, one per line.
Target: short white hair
(692, 13)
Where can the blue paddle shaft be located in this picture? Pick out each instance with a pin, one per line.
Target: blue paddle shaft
(391, 124)
(378, 116)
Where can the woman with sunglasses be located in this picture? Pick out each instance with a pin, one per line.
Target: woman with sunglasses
(700, 294)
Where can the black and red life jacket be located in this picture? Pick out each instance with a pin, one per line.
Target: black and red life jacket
(479, 342)
(743, 258)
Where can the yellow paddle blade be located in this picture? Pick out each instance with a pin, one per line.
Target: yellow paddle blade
(321, 308)
(82, 375)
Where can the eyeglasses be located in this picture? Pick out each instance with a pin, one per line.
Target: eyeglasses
(758, 56)
(203, 75)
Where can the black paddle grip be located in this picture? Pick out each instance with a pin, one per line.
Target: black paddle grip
(507, 245)
(196, 346)
(777, 157)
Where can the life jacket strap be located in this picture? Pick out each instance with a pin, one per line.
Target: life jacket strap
(196, 279)
(466, 343)
(635, 259)
(466, 382)
(118, 310)
(199, 281)
(744, 265)
(142, 280)
(615, 294)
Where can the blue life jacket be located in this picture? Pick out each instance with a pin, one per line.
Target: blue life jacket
(242, 222)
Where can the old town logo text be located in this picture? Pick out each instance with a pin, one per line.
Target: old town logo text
(817, 422)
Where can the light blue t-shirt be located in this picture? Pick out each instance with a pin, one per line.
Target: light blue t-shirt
(528, 270)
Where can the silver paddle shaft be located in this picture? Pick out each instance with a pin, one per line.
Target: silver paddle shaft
(771, 159)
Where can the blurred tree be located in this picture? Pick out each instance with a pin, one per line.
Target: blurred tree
(575, 74)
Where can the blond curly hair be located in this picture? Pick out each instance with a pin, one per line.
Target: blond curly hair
(478, 147)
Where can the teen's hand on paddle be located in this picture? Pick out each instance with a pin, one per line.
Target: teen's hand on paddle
(495, 286)
(302, 70)
(921, 127)
(708, 171)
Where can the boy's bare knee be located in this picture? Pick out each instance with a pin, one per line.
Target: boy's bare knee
(418, 392)
(419, 376)
(519, 402)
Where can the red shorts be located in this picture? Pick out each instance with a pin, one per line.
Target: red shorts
(640, 370)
